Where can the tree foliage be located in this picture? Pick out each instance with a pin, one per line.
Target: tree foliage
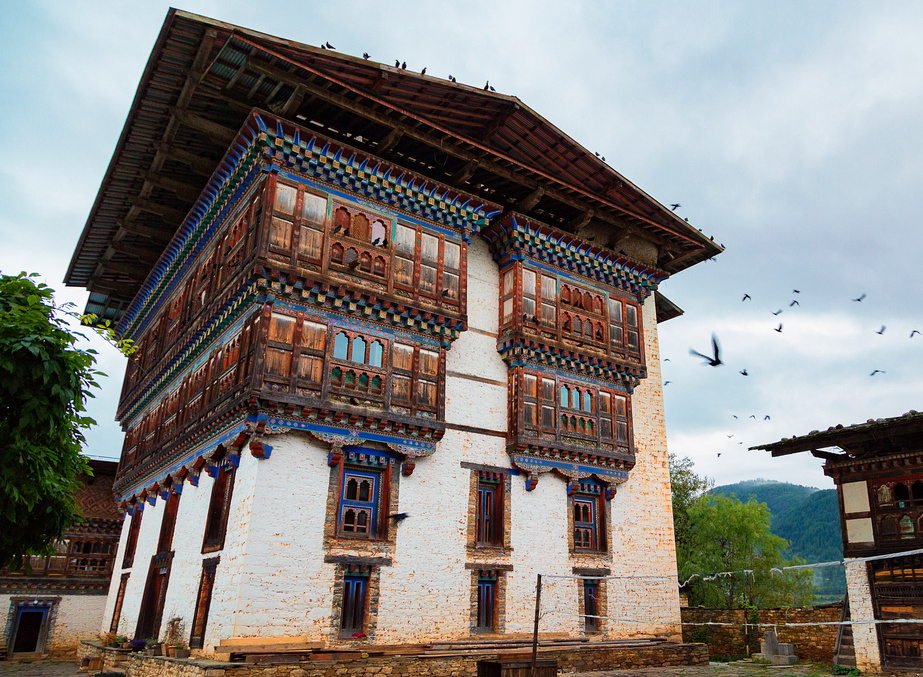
(732, 539)
(716, 534)
(44, 383)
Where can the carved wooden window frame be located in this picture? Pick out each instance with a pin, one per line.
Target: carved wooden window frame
(219, 508)
(131, 542)
(203, 602)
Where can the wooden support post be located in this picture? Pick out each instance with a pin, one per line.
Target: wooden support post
(538, 608)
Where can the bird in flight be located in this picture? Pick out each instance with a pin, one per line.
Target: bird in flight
(859, 300)
(796, 291)
(730, 436)
(714, 360)
(746, 298)
(778, 312)
(877, 371)
(794, 303)
(734, 415)
(719, 454)
(913, 332)
(743, 372)
(882, 330)
(779, 328)
(675, 206)
(667, 359)
(666, 383)
(766, 417)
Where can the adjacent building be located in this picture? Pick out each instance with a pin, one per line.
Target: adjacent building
(397, 355)
(877, 467)
(49, 607)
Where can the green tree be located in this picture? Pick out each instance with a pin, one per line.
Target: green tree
(44, 383)
(686, 486)
(730, 538)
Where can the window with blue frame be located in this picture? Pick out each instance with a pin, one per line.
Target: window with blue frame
(590, 605)
(352, 616)
(585, 533)
(490, 511)
(359, 495)
(487, 596)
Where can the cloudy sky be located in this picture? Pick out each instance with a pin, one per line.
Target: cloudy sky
(788, 131)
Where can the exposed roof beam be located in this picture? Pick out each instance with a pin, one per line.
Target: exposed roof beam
(390, 141)
(215, 131)
(168, 214)
(160, 236)
(464, 173)
(579, 221)
(445, 144)
(530, 200)
(182, 190)
(197, 163)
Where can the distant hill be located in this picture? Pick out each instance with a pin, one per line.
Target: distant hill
(808, 518)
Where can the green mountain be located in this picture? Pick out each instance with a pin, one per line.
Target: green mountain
(809, 519)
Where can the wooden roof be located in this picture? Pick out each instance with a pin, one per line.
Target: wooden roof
(875, 437)
(204, 77)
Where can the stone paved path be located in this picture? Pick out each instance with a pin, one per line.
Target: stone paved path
(736, 669)
(39, 669)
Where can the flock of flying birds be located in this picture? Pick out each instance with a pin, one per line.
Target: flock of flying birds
(714, 359)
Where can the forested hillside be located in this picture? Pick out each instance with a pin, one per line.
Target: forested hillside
(808, 518)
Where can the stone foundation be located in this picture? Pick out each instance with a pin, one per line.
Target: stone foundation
(569, 660)
(812, 642)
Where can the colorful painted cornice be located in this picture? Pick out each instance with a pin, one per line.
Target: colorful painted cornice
(269, 144)
(515, 238)
(518, 351)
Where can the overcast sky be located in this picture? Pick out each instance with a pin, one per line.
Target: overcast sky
(788, 131)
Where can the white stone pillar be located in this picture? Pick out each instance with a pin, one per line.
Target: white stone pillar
(861, 612)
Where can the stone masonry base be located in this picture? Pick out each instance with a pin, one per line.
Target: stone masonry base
(583, 659)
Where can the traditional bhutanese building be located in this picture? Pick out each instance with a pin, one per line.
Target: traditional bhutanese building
(397, 354)
(877, 467)
(58, 600)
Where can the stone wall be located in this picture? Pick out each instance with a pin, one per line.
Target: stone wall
(865, 636)
(812, 642)
(576, 660)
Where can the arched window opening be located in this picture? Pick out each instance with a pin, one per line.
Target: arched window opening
(365, 262)
(565, 295)
(378, 266)
(916, 491)
(376, 385)
(900, 492)
(341, 221)
(336, 376)
(885, 497)
(341, 346)
(565, 396)
(352, 489)
(379, 235)
(364, 381)
(336, 254)
(575, 399)
(906, 527)
(358, 350)
(349, 520)
(588, 401)
(376, 352)
(350, 379)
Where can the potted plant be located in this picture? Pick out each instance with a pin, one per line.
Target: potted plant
(152, 646)
(180, 650)
(107, 638)
(121, 641)
(138, 645)
(174, 634)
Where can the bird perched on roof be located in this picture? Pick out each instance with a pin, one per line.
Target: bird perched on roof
(715, 359)
(365, 55)
(397, 63)
(487, 85)
(329, 46)
(452, 79)
(404, 65)
(423, 72)
(675, 206)
(492, 88)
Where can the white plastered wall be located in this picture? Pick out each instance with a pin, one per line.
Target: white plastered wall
(861, 611)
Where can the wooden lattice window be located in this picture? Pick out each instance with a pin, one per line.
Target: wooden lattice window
(203, 602)
(119, 600)
(489, 512)
(359, 499)
(486, 602)
(588, 508)
(168, 524)
(219, 508)
(131, 543)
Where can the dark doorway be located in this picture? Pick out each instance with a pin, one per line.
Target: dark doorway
(28, 629)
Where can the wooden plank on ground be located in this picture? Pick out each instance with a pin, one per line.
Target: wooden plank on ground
(270, 648)
(242, 641)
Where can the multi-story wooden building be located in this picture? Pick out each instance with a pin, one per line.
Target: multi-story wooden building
(877, 467)
(51, 605)
(397, 354)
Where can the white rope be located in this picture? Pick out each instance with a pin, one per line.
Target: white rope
(736, 625)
